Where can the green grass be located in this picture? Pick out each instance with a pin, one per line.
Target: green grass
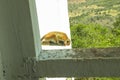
(94, 23)
(94, 36)
(86, 12)
(99, 78)
(99, 30)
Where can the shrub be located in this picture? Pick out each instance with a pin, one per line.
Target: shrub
(94, 35)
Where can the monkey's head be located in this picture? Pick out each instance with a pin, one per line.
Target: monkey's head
(67, 42)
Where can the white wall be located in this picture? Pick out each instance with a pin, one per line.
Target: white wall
(53, 16)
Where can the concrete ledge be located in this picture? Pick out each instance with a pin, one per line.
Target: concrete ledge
(92, 53)
(103, 62)
(78, 68)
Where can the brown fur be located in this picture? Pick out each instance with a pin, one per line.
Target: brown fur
(55, 38)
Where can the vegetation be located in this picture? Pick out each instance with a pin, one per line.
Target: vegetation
(95, 35)
(95, 23)
(97, 78)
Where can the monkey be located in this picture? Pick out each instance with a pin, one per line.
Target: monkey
(55, 38)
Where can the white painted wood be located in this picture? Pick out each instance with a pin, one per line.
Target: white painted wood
(17, 43)
(56, 78)
(35, 27)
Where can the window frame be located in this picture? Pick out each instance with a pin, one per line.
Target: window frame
(102, 62)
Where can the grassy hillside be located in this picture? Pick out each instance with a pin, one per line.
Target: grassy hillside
(94, 23)
(93, 11)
